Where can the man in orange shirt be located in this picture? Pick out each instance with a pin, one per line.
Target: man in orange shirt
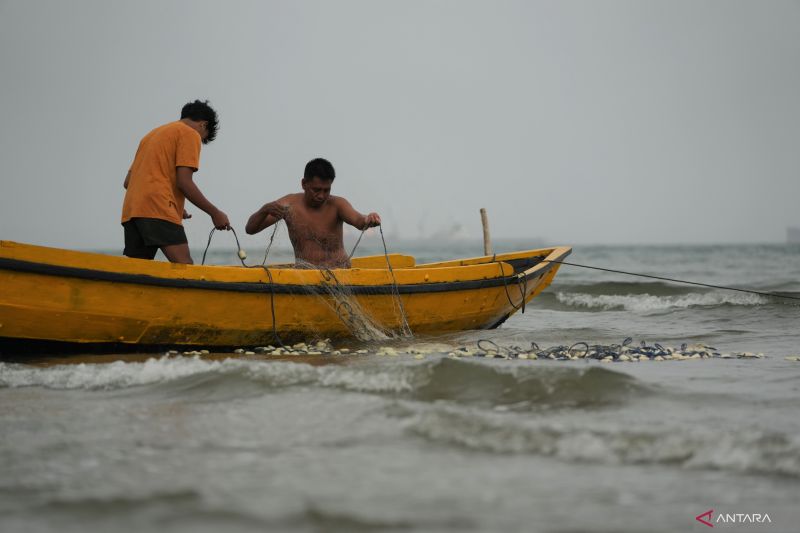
(159, 181)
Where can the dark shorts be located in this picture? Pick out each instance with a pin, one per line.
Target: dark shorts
(144, 236)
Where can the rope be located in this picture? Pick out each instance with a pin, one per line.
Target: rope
(272, 306)
(406, 329)
(521, 280)
(272, 238)
(203, 262)
(396, 293)
(263, 265)
(238, 247)
(750, 291)
(349, 257)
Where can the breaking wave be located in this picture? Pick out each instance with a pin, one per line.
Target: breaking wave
(482, 383)
(181, 371)
(479, 405)
(649, 302)
(751, 451)
(656, 288)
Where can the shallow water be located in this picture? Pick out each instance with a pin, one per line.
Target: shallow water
(398, 443)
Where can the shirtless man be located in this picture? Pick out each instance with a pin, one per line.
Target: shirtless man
(314, 218)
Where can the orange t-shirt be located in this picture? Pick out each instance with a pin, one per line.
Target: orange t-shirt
(153, 188)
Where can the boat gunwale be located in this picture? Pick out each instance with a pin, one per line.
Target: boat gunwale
(544, 266)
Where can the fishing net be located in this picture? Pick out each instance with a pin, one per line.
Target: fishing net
(361, 324)
(338, 297)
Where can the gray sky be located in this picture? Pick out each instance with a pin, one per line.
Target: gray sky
(575, 122)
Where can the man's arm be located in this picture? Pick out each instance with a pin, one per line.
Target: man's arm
(269, 214)
(192, 193)
(354, 218)
(127, 180)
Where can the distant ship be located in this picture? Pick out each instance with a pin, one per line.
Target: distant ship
(793, 235)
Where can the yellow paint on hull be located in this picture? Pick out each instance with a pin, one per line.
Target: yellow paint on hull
(60, 295)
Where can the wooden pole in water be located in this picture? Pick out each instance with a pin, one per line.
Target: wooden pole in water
(487, 240)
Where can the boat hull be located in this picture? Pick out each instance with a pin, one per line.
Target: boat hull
(74, 297)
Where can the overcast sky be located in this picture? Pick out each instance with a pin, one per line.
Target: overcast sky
(574, 122)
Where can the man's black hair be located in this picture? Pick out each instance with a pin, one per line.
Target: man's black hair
(198, 111)
(320, 168)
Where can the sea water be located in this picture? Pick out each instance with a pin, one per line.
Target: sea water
(420, 441)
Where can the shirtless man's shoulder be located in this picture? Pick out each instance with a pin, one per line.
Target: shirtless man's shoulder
(294, 202)
(292, 198)
(338, 202)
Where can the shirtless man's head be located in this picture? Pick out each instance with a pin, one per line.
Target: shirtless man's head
(317, 180)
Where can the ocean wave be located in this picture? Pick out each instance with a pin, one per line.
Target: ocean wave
(111, 376)
(656, 288)
(746, 451)
(518, 386)
(194, 372)
(524, 387)
(650, 302)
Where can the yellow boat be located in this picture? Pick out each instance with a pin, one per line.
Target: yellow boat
(63, 296)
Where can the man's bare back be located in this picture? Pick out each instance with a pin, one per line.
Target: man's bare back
(314, 219)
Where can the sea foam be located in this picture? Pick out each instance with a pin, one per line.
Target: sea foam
(748, 450)
(166, 370)
(512, 386)
(648, 303)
